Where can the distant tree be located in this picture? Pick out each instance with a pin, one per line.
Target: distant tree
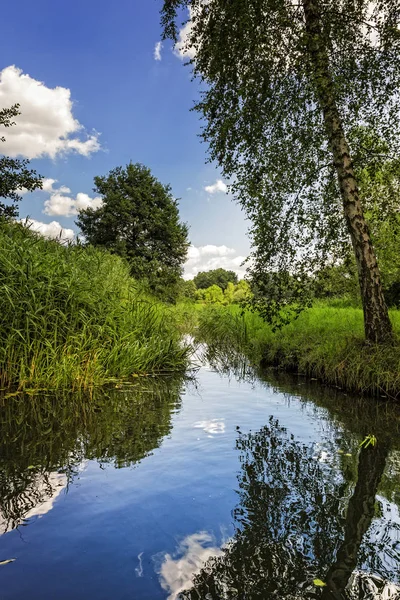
(187, 289)
(139, 220)
(14, 174)
(214, 295)
(287, 85)
(220, 277)
(242, 292)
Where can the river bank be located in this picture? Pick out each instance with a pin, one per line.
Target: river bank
(72, 317)
(325, 342)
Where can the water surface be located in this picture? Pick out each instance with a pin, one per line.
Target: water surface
(227, 488)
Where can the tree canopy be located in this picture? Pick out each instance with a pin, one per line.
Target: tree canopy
(220, 277)
(14, 174)
(287, 87)
(139, 220)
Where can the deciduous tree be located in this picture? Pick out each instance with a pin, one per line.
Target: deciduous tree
(139, 220)
(287, 86)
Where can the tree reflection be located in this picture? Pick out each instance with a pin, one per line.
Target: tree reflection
(290, 522)
(43, 440)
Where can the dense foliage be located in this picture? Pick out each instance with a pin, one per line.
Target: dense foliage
(14, 174)
(220, 277)
(139, 220)
(73, 317)
(288, 86)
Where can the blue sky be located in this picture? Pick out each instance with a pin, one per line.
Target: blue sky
(93, 64)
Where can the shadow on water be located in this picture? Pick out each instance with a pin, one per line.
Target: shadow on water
(45, 440)
(304, 523)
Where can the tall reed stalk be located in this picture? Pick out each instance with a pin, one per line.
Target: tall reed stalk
(72, 317)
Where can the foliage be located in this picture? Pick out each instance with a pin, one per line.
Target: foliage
(233, 294)
(187, 289)
(379, 177)
(325, 342)
(73, 317)
(139, 220)
(287, 87)
(14, 174)
(220, 277)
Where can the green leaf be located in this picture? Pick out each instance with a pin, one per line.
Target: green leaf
(319, 583)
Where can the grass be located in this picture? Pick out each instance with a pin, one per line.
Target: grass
(72, 317)
(325, 342)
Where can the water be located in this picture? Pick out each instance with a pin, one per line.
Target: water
(225, 488)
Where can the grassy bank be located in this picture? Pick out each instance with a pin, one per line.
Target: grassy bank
(73, 317)
(325, 342)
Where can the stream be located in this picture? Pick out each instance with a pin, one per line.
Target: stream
(226, 487)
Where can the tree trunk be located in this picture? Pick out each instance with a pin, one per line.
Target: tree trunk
(377, 324)
(360, 512)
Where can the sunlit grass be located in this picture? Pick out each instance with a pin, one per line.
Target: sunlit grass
(324, 342)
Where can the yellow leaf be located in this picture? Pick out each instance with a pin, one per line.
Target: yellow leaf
(319, 583)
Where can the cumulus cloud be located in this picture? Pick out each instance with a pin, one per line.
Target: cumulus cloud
(51, 230)
(157, 51)
(205, 258)
(218, 186)
(46, 126)
(61, 205)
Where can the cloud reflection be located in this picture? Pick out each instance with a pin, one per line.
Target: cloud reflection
(212, 426)
(176, 574)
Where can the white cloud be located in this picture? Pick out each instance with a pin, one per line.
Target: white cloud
(205, 258)
(182, 48)
(46, 126)
(157, 51)
(218, 186)
(51, 230)
(176, 574)
(61, 205)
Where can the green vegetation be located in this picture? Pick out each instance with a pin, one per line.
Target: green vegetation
(215, 293)
(72, 317)
(291, 90)
(14, 174)
(220, 277)
(139, 220)
(325, 342)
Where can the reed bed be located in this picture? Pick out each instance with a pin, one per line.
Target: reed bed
(72, 317)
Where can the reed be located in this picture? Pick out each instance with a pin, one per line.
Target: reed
(72, 317)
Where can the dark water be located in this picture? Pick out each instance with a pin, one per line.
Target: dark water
(228, 489)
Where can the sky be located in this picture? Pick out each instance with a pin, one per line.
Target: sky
(97, 89)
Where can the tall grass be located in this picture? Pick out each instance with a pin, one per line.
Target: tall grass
(325, 342)
(72, 317)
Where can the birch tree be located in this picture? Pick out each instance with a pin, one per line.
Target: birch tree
(287, 84)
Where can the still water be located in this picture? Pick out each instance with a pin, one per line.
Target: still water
(227, 487)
